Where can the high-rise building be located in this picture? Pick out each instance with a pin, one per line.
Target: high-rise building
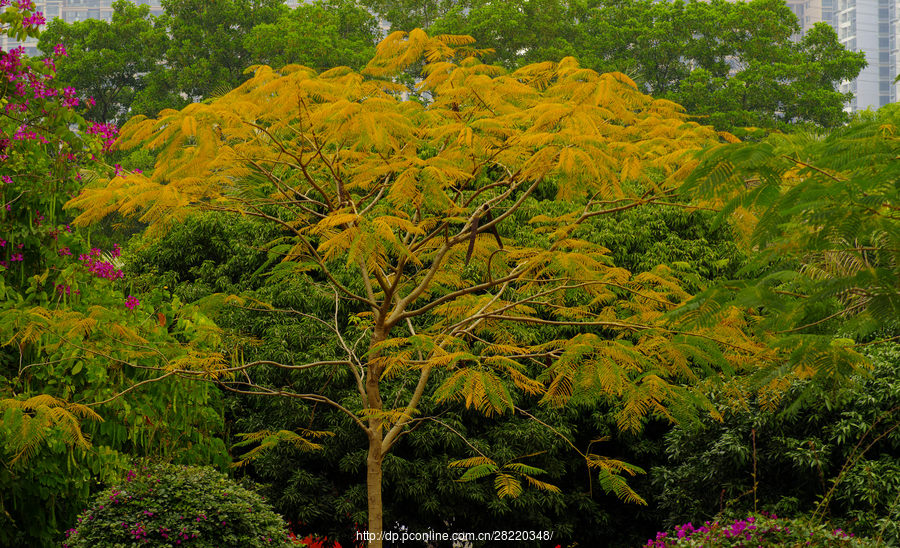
(810, 12)
(870, 26)
(50, 9)
(79, 10)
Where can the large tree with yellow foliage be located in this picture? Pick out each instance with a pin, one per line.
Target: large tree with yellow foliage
(456, 216)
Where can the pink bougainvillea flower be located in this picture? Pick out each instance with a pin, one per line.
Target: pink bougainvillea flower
(132, 302)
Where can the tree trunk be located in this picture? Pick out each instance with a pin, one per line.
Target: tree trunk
(375, 458)
(373, 486)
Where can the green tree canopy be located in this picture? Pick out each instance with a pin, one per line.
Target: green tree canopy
(321, 35)
(732, 63)
(206, 51)
(109, 61)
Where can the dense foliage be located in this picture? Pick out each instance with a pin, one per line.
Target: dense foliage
(141, 64)
(178, 505)
(110, 61)
(428, 292)
(841, 450)
(455, 238)
(320, 489)
(74, 332)
(835, 199)
(732, 64)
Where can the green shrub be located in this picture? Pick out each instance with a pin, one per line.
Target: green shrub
(757, 530)
(168, 505)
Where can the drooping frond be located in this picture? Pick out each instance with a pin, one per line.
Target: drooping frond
(507, 477)
(266, 440)
(35, 421)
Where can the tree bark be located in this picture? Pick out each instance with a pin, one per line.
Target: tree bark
(375, 458)
(373, 486)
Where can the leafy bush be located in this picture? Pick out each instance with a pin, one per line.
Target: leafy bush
(170, 505)
(759, 530)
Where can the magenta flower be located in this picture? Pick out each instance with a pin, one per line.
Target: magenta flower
(132, 302)
(107, 132)
(34, 20)
(60, 50)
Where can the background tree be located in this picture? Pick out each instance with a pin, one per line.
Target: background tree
(321, 35)
(206, 52)
(109, 61)
(732, 63)
(519, 32)
(459, 231)
(820, 215)
(405, 15)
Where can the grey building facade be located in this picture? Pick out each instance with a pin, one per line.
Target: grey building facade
(870, 26)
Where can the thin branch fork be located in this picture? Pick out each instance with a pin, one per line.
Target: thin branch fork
(256, 390)
(313, 253)
(299, 161)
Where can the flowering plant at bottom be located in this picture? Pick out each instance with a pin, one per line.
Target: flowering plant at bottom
(169, 506)
(757, 531)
